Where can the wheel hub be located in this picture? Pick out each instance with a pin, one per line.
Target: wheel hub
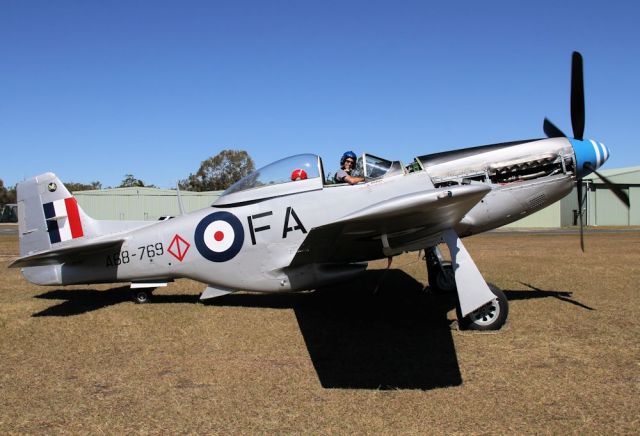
(486, 314)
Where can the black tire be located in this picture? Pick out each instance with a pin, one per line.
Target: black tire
(141, 296)
(491, 316)
(442, 280)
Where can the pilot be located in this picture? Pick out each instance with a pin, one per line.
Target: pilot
(298, 174)
(347, 164)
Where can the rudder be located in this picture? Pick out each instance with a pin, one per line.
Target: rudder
(48, 215)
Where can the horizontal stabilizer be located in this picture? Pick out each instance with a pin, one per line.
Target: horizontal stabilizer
(61, 255)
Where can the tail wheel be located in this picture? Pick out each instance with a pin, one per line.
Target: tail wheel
(491, 316)
(142, 296)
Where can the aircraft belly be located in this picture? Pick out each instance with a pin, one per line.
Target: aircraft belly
(278, 255)
(256, 268)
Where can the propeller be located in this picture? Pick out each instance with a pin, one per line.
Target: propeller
(577, 96)
(579, 189)
(551, 130)
(577, 124)
(622, 196)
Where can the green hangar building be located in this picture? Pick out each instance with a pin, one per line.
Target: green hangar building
(600, 206)
(148, 204)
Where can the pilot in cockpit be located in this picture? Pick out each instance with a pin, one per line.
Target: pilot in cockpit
(347, 165)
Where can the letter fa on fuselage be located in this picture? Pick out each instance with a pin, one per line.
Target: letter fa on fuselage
(258, 223)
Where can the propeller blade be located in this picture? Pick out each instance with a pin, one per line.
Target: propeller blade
(612, 187)
(577, 96)
(551, 130)
(579, 188)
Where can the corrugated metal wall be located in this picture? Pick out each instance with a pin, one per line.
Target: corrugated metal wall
(604, 208)
(141, 203)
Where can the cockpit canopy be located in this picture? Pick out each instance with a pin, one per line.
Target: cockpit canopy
(299, 173)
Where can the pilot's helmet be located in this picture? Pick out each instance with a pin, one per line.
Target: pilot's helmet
(346, 155)
(298, 174)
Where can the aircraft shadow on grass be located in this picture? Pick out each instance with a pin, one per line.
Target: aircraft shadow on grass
(397, 337)
(534, 292)
(379, 332)
(79, 301)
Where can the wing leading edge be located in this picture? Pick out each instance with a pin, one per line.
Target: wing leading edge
(404, 223)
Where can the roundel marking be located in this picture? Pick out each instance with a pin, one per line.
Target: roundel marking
(219, 236)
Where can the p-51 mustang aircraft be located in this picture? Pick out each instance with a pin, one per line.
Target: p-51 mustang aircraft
(284, 228)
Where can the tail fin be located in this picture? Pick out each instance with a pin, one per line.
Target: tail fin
(49, 215)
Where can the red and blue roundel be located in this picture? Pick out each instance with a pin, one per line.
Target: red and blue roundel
(219, 237)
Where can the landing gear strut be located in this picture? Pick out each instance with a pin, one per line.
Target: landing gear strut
(468, 284)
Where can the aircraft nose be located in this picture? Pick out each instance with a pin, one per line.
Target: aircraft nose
(588, 151)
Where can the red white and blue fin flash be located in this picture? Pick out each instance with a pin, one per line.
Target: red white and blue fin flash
(63, 220)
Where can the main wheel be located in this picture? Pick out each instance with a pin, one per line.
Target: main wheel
(491, 316)
(442, 279)
(141, 296)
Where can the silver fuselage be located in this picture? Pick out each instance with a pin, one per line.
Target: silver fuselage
(511, 181)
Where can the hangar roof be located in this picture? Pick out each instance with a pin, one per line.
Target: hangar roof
(142, 191)
(628, 175)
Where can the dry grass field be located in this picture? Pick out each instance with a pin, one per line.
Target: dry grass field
(339, 360)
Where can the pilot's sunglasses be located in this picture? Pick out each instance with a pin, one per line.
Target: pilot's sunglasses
(350, 161)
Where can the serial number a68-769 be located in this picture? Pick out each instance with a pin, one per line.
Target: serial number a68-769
(146, 251)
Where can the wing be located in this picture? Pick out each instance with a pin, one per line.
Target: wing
(66, 254)
(404, 223)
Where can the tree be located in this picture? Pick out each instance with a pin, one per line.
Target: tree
(75, 186)
(130, 181)
(7, 195)
(220, 171)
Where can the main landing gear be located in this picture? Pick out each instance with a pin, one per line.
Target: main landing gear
(491, 315)
(439, 272)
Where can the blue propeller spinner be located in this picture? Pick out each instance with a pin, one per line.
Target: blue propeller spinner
(589, 154)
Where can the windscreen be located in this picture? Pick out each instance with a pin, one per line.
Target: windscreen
(376, 167)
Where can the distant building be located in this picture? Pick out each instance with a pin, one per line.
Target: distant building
(148, 204)
(600, 206)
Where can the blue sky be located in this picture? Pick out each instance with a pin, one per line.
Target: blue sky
(93, 90)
